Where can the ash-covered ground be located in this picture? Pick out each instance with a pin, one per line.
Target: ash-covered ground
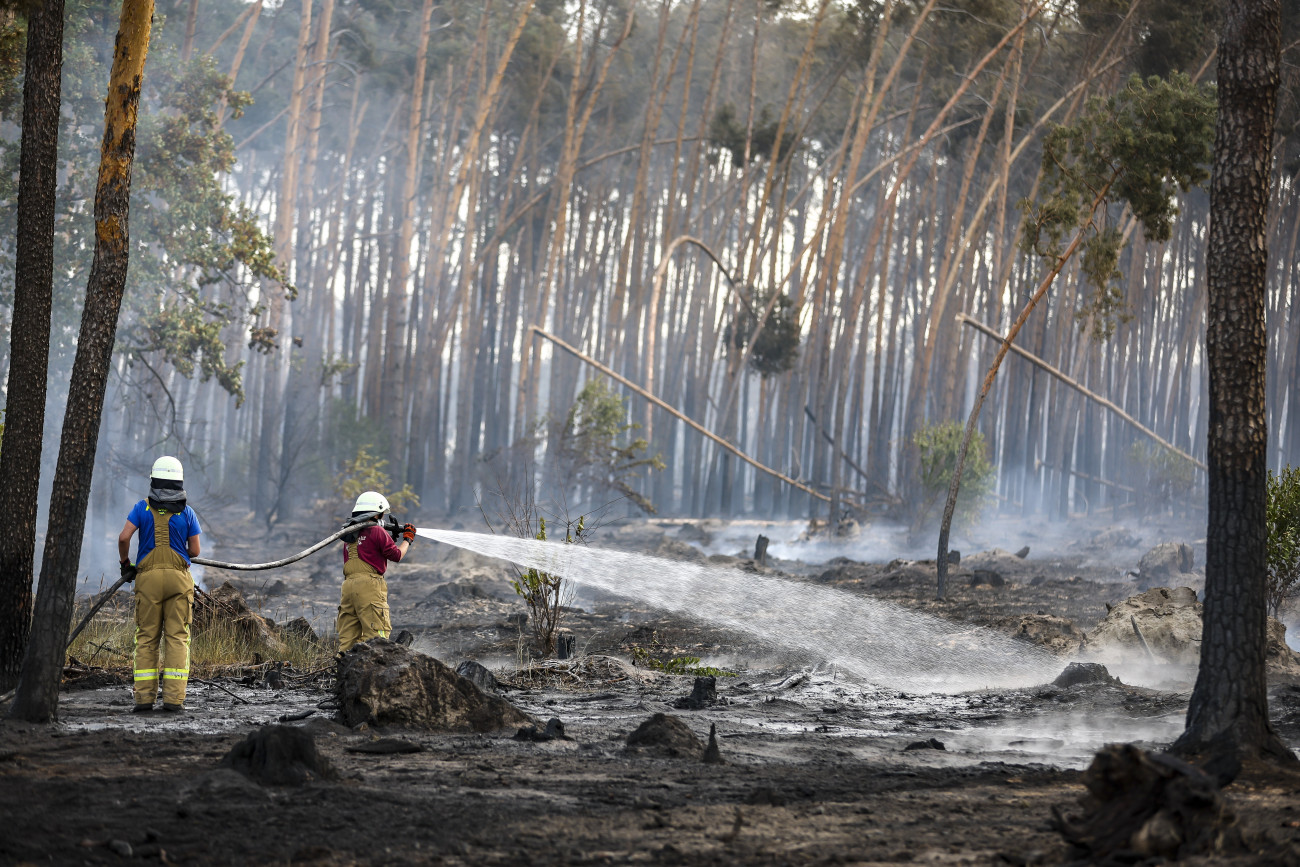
(819, 764)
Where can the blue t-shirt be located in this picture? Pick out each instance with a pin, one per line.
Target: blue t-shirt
(179, 530)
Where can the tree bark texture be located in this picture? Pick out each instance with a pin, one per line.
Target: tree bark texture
(1228, 712)
(38, 688)
(20, 460)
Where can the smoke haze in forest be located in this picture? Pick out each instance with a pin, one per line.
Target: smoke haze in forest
(343, 254)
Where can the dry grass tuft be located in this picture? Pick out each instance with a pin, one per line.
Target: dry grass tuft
(221, 649)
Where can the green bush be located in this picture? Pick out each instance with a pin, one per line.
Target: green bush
(1282, 517)
(590, 452)
(1164, 477)
(545, 593)
(366, 473)
(937, 446)
(688, 665)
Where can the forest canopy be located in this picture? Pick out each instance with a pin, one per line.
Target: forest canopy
(347, 215)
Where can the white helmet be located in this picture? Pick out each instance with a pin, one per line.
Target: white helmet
(371, 501)
(167, 467)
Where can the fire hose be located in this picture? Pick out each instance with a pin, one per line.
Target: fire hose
(366, 521)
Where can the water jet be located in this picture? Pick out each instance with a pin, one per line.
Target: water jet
(877, 641)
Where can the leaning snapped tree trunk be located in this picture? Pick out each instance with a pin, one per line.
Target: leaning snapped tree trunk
(1144, 143)
(29, 334)
(1228, 712)
(38, 688)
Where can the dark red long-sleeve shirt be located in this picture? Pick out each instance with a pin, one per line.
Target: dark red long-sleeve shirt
(376, 547)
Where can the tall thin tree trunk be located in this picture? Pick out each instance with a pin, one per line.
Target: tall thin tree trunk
(272, 408)
(191, 22)
(302, 395)
(395, 373)
(38, 688)
(1228, 712)
(29, 332)
(255, 11)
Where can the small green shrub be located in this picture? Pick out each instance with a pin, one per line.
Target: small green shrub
(546, 595)
(543, 592)
(1164, 477)
(1282, 517)
(366, 473)
(590, 448)
(689, 665)
(937, 446)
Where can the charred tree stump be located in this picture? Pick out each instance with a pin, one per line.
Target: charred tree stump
(703, 694)
(1145, 805)
(760, 550)
(278, 756)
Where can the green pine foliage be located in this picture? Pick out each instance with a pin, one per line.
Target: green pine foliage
(1140, 146)
(365, 472)
(937, 446)
(1282, 516)
(777, 348)
(728, 131)
(592, 446)
(196, 251)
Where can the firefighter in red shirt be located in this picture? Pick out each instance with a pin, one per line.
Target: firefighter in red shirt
(363, 609)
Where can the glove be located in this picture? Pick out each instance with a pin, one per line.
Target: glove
(128, 571)
(408, 532)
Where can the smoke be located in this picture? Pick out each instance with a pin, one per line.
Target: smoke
(883, 541)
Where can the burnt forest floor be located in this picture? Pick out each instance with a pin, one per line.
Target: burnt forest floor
(816, 768)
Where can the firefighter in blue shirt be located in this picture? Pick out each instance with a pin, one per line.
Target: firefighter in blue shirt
(164, 589)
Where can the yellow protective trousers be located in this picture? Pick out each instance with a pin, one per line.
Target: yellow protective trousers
(164, 603)
(363, 609)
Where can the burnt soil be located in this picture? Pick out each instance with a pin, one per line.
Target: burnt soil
(816, 766)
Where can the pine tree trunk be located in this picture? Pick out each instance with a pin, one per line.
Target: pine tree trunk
(395, 373)
(38, 689)
(253, 13)
(302, 394)
(1228, 712)
(268, 493)
(191, 23)
(29, 333)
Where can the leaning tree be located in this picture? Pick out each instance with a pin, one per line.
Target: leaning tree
(1128, 154)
